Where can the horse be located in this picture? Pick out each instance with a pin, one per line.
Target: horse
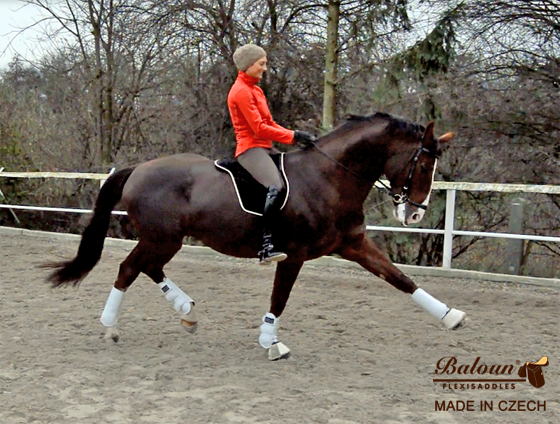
(182, 195)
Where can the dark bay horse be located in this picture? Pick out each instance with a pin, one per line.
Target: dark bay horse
(184, 195)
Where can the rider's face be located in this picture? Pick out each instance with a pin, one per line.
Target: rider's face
(257, 69)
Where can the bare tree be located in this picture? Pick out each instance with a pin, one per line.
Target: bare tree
(118, 64)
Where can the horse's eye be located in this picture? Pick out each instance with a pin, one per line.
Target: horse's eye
(423, 169)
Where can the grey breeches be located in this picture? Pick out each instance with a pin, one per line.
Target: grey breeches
(261, 166)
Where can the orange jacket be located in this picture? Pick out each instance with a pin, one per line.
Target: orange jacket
(251, 118)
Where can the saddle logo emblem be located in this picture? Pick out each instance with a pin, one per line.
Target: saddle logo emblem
(471, 376)
(533, 372)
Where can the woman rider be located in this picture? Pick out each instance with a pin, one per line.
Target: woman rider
(254, 132)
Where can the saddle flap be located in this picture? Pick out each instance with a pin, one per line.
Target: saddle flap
(250, 193)
(535, 375)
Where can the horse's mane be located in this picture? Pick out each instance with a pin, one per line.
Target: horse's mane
(395, 124)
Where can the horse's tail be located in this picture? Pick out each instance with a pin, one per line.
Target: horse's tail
(93, 237)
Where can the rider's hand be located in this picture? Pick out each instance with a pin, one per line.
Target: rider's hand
(304, 139)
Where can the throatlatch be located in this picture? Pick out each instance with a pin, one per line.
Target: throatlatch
(271, 208)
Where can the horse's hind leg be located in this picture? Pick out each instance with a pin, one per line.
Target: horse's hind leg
(128, 272)
(183, 303)
(149, 258)
(368, 255)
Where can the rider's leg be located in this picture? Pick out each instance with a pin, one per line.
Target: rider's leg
(272, 205)
(261, 166)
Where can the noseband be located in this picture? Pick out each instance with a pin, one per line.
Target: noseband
(398, 198)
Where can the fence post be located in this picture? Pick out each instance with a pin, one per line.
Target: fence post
(515, 226)
(449, 227)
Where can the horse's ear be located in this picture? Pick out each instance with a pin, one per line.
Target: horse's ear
(445, 138)
(429, 134)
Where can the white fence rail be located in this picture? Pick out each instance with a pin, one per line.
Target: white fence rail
(448, 232)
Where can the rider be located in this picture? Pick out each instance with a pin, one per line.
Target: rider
(254, 131)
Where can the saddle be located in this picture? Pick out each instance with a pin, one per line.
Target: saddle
(533, 372)
(250, 193)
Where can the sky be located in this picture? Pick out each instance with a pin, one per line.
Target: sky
(13, 17)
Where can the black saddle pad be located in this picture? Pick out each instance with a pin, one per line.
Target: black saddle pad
(250, 193)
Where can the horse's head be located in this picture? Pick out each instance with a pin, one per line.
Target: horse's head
(411, 173)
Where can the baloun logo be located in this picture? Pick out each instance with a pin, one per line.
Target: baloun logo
(531, 371)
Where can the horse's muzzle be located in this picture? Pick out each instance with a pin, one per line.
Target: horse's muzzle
(408, 214)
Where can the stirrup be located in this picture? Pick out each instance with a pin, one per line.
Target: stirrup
(268, 255)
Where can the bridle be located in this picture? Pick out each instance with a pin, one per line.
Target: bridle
(398, 198)
(402, 197)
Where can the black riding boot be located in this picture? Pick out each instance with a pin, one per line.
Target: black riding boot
(271, 207)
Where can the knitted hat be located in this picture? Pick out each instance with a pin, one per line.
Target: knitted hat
(246, 55)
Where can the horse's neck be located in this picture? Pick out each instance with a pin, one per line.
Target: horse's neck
(348, 178)
(357, 165)
(351, 149)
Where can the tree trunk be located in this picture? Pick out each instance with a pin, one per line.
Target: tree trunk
(109, 105)
(331, 61)
(95, 23)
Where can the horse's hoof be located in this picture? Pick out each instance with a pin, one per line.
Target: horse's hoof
(454, 319)
(278, 351)
(111, 334)
(190, 326)
(189, 320)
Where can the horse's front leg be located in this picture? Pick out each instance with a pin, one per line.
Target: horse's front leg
(367, 254)
(284, 279)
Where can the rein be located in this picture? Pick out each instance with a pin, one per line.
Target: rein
(398, 198)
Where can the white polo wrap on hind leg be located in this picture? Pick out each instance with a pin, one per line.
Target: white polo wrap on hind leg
(269, 328)
(430, 304)
(111, 311)
(181, 301)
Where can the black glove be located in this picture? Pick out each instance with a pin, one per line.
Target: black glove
(304, 139)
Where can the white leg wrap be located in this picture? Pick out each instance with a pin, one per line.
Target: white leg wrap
(269, 328)
(430, 304)
(181, 301)
(111, 311)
